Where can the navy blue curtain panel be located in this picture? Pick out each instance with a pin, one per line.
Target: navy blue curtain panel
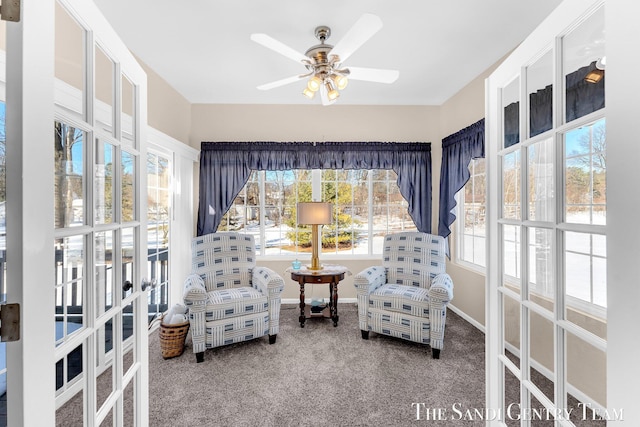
(225, 168)
(457, 151)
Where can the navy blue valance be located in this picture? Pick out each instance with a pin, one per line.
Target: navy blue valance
(457, 151)
(225, 168)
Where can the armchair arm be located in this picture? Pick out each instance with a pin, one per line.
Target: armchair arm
(440, 293)
(366, 282)
(194, 293)
(370, 279)
(195, 298)
(270, 284)
(267, 281)
(441, 288)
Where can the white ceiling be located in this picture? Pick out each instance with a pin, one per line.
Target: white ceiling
(202, 47)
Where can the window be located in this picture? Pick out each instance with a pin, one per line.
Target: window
(471, 224)
(158, 213)
(366, 205)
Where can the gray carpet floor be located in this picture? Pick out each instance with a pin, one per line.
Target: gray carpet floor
(318, 375)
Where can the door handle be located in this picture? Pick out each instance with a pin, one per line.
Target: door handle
(126, 286)
(148, 283)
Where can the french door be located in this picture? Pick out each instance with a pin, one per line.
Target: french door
(547, 272)
(76, 218)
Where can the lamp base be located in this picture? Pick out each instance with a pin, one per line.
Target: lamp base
(315, 265)
(315, 259)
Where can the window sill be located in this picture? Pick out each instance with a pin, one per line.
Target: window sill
(474, 268)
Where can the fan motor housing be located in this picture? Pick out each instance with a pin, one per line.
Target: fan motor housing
(319, 54)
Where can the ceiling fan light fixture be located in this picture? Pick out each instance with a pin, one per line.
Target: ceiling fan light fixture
(314, 83)
(332, 93)
(340, 81)
(308, 93)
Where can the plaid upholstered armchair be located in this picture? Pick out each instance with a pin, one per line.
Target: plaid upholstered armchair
(407, 296)
(230, 299)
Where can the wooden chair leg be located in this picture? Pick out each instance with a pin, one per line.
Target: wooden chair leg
(436, 353)
(272, 339)
(200, 357)
(365, 334)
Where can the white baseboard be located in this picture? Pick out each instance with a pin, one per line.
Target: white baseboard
(466, 317)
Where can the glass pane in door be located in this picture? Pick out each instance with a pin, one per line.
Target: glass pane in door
(511, 197)
(69, 175)
(104, 83)
(541, 176)
(104, 275)
(128, 261)
(69, 286)
(511, 262)
(128, 111)
(128, 171)
(511, 113)
(585, 171)
(69, 62)
(584, 357)
(541, 353)
(584, 64)
(103, 192)
(540, 92)
(541, 272)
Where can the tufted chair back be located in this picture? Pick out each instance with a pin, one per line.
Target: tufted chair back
(413, 258)
(224, 260)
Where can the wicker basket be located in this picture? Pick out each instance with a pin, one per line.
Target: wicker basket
(172, 339)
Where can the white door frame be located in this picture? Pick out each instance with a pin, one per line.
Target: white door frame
(29, 122)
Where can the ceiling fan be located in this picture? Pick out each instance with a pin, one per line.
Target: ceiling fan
(324, 62)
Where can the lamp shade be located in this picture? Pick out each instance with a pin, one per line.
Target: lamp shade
(314, 213)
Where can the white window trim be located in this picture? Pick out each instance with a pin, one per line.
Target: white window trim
(458, 234)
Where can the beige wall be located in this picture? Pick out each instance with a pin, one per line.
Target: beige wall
(212, 122)
(167, 110)
(461, 110)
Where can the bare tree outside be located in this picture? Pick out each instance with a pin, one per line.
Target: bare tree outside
(68, 179)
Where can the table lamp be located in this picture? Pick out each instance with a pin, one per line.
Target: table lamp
(314, 214)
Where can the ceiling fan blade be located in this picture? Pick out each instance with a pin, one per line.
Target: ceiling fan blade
(373, 75)
(279, 83)
(362, 30)
(281, 48)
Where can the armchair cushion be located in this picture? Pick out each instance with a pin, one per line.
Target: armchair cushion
(234, 302)
(401, 299)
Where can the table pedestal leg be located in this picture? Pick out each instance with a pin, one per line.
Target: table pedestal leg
(333, 295)
(301, 318)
